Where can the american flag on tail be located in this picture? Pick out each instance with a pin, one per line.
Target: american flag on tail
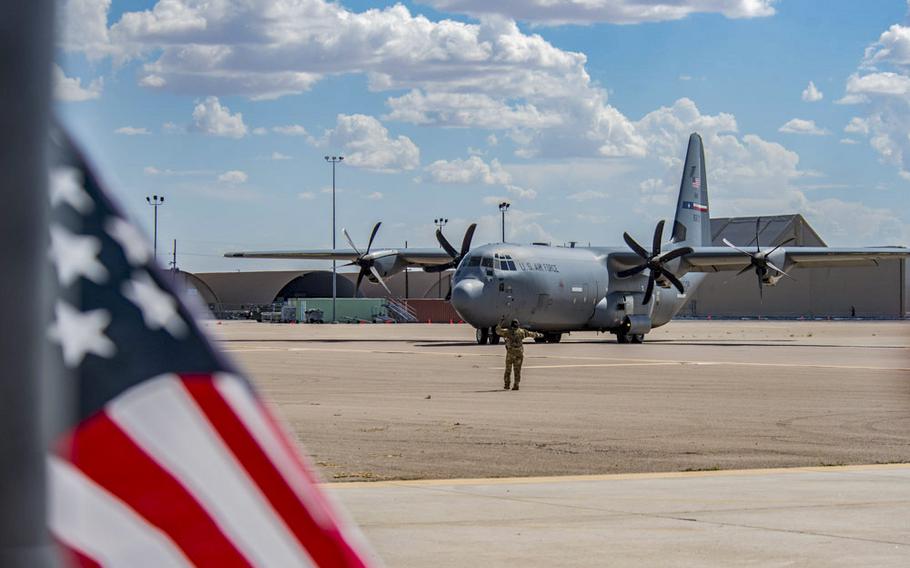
(171, 458)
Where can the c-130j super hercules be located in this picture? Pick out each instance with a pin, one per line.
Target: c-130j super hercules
(626, 292)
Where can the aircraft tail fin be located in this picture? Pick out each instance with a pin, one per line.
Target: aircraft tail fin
(692, 225)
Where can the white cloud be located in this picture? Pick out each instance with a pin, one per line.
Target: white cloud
(170, 127)
(801, 126)
(492, 140)
(521, 192)
(471, 170)
(811, 94)
(153, 171)
(70, 89)
(490, 75)
(306, 196)
(848, 141)
(857, 125)
(882, 86)
(290, 130)
(588, 195)
(375, 196)
(132, 131)
(366, 144)
(280, 156)
(82, 26)
(233, 177)
(260, 131)
(892, 48)
(210, 117)
(558, 12)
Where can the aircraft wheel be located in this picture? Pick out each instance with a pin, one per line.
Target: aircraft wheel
(494, 337)
(541, 340)
(482, 335)
(638, 338)
(553, 337)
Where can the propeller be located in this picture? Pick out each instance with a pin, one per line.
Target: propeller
(455, 254)
(654, 261)
(758, 260)
(365, 260)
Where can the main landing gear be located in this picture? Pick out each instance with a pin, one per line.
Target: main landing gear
(486, 335)
(549, 337)
(623, 337)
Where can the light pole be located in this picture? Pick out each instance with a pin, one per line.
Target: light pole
(503, 207)
(334, 160)
(440, 223)
(155, 201)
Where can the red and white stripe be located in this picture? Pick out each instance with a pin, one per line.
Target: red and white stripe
(191, 470)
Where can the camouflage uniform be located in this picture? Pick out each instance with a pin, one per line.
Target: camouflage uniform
(513, 337)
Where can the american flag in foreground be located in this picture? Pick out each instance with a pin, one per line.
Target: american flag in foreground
(171, 460)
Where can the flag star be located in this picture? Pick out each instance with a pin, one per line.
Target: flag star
(159, 309)
(66, 186)
(75, 256)
(80, 333)
(134, 245)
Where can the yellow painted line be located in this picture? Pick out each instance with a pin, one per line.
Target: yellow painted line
(620, 476)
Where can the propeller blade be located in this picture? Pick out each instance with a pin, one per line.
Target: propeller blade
(744, 270)
(761, 286)
(373, 236)
(350, 241)
(731, 245)
(466, 242)
(639, 250)
(785, 243)
(658, 236)
(673, 280)
(379, 279)
(631, 271)
(757, 225)
(676, 253)
(649, 290)
(359, 280)
(444, 243)
(771, 266)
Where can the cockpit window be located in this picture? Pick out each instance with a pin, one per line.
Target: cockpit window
(505, 262)
(487, 262)
(474, 261)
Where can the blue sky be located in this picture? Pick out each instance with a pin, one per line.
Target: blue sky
(575, 113)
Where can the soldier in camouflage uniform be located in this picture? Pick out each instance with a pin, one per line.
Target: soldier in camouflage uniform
(513, 336)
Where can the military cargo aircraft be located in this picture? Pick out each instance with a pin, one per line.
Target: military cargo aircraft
(624, 291)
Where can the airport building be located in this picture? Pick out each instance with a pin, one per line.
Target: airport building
(867, 290)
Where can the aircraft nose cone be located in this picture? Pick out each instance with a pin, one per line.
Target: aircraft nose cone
(466, 298)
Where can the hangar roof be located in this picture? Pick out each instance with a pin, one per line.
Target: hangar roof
(773, 230)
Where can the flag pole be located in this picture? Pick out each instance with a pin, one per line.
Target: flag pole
(26, 41)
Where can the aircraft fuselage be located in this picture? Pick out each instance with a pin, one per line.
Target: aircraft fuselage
(558, 289)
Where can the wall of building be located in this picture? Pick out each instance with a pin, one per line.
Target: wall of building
(873, 291)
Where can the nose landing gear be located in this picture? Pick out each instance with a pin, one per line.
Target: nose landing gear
(486, 335)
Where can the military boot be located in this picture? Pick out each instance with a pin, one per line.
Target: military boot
(515, 386)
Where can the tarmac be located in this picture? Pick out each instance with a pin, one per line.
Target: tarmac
(836, 516)
(667, 453)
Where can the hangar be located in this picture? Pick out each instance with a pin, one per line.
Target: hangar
(869, 290)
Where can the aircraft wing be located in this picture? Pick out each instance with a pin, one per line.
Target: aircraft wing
(717, 259)
(411, 256)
